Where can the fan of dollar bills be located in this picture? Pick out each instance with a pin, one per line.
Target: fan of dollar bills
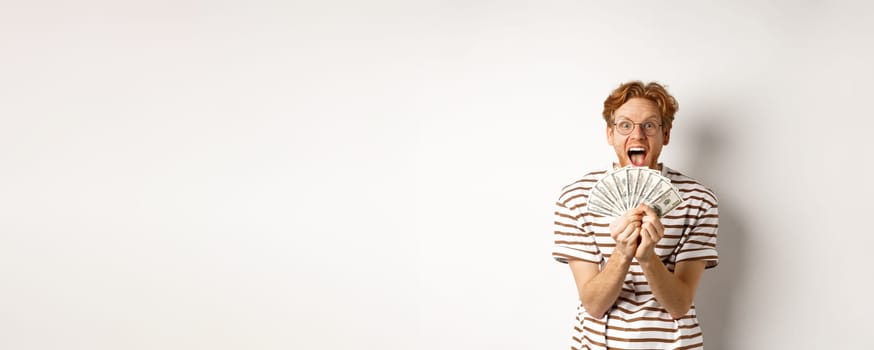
(625, 188)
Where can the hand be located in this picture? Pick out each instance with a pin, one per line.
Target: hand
(625, 231)
(651, 232)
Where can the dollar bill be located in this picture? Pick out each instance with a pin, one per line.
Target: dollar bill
(625, 188)
(604, 198)
(633, 177)
(657, 189)
(598, 206)
(667, 202)
(661, 187)
(607, 187)
(647, 186)
(619, 177)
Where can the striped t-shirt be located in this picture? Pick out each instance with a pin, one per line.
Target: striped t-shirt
(636, 320)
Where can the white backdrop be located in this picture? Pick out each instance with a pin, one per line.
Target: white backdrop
(381, 174)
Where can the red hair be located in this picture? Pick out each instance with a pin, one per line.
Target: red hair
(652, 91)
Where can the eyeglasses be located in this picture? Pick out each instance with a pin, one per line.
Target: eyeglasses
(625, 127)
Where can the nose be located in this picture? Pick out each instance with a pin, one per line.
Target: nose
(637, 131)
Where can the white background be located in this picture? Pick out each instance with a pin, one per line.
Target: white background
(381, 174)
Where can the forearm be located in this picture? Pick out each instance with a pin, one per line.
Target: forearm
(600, 293)
(671, 292)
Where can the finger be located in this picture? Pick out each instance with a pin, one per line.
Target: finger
(649, 211)
(620, 237)
(652, 232)
(656, 225)
(632, 238)
(655, 221)
(622, 222)
(635, 211)
(648, 220)
(658, 229)
(627, 219)
(621, 234)
(644, 233)
(630, 229)
(616, 227)
(635, 218)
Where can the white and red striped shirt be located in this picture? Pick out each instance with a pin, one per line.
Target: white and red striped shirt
(637, 320)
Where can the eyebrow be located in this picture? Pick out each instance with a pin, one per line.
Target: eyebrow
(647, 119)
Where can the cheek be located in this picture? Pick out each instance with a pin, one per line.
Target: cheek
(618, 142)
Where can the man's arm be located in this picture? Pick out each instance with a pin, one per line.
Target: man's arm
(674, 291)
(598, 290)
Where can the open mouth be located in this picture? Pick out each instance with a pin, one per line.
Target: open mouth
(637, 156)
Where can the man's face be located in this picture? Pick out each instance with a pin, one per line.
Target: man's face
(638, 148)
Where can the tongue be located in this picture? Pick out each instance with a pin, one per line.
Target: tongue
(637, 159)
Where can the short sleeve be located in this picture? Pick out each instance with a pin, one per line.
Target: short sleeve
(701, 243)
(572, 241)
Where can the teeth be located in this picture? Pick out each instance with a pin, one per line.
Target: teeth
(636, 149)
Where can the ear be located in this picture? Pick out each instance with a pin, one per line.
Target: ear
(667, 137)
(609, 135)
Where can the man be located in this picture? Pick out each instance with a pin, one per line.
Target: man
(636, 274)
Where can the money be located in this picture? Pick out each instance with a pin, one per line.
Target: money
(666, 202)
(625, 188)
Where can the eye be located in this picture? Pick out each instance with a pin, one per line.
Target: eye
(649, 125)
(625, 125)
